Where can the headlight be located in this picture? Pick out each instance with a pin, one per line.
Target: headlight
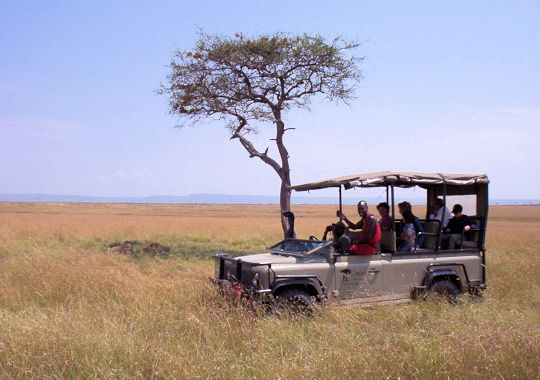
(255, 281)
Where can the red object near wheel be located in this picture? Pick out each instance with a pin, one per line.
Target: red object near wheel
(237, 291)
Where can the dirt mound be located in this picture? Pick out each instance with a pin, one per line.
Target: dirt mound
(125, 249)
(136, 248)
(154, 249)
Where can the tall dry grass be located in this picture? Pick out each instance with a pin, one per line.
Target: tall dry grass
(67, 309)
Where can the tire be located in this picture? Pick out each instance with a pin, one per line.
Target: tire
(295, 301)
(444, 290)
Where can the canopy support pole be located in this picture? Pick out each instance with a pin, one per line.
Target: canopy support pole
(393, 211)
(340, 205)
(439, 240)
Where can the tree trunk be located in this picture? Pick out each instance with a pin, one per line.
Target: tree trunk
(285, 206)
(282, 170)
(285, 194)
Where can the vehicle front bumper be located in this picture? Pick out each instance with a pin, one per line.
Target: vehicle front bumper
(237, 290)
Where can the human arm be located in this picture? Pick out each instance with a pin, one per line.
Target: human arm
(418, 225)
(469, 223)
(326, 231)
(354, 226)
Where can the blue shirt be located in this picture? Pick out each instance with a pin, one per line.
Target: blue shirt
(418, 228)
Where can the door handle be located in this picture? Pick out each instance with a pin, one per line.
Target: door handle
(373, 271)
(346, 271)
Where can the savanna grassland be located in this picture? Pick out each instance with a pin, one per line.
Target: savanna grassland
(70, 310)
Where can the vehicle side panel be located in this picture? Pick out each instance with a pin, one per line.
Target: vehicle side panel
(320, 270)
(358, 276)
(402, 272)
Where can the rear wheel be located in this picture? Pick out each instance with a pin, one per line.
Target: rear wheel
(444, 290)
(295, 301)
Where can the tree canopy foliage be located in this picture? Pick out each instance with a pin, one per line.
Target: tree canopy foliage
(244, 81)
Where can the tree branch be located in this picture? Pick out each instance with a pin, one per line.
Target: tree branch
(248, 145)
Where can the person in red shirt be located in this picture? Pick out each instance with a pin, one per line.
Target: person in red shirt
(371, 231)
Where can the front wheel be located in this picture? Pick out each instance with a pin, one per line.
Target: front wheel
(295, 301)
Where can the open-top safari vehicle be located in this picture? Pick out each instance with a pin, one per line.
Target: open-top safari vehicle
(305, 272)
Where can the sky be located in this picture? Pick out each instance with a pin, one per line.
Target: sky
(449, 86)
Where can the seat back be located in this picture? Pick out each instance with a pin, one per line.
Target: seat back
(431, 226)
(472, 237)
(388, 241)
(386, 244)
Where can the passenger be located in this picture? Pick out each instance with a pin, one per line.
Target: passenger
(440, 212)
(386, 221)
(408, 235)
(340, 240)
(368, 240)
(405, 207)
(458, 224)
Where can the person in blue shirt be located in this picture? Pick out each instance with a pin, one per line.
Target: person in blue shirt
(407, 238)
(405, 207)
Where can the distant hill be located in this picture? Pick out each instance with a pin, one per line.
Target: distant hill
(192, 198)
(220, 199)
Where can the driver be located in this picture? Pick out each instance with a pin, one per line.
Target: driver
(371, 231)
(340, 240)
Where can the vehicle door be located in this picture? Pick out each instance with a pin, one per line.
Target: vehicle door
(403, 272)
(358, 276)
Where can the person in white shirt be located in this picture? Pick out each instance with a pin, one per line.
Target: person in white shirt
(439, 212)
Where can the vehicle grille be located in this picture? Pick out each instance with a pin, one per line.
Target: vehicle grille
(230, 269)
(230, 273)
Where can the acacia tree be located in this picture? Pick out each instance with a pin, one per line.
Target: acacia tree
(245, 81)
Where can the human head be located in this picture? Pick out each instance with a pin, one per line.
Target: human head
(457, 210)
(404, 207)
(338, 229)
(362, 208)
(438, 203)
(384, 208)
(408, 217)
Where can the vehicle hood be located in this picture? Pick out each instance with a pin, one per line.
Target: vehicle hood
(281, 259)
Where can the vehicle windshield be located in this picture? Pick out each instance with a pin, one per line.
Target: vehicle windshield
(297, 246)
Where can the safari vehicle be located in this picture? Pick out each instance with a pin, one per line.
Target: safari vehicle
(306, 272)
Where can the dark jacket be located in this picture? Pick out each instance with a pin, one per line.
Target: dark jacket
(457, 224)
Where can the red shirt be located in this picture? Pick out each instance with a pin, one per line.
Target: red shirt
(369, 247)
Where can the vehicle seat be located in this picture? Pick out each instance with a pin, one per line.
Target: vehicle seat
(431, 233)
(388, 241)
(387, 244)
(431, 229)
(471, 239)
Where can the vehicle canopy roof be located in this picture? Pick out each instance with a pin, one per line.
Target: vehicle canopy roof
(398, 179)
(436, 184)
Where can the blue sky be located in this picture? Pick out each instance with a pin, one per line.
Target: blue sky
(449, 86)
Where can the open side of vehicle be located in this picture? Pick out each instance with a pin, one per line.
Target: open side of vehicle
(303, 272)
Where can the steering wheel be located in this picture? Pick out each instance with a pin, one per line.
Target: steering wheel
(313, 238)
